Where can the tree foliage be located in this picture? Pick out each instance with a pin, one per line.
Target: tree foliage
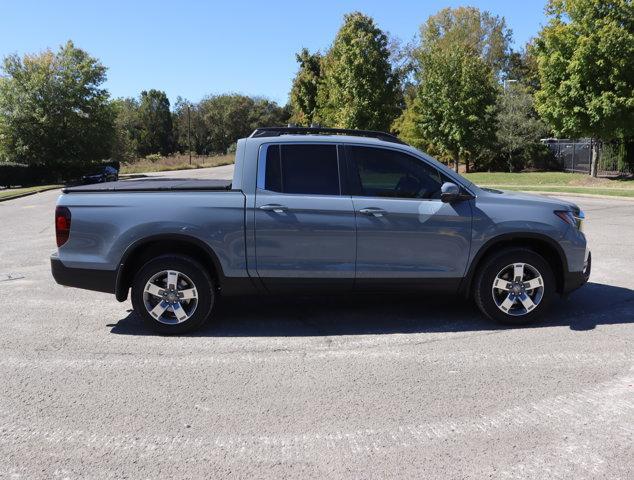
(454, 106)
(358, 88)
(189, 127)
(53, 110)
(218, 121)
(155, 123)
(586, 66)
(303, 97)
(484, 33)
(519, 127)
(522, 67)
(125, 146)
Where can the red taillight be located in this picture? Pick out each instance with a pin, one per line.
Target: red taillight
(62, 225)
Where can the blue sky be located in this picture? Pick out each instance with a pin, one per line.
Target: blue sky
(193, 49)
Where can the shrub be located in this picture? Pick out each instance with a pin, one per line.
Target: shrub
(617, 156)
(537, 156)
(17, 174)
(153, 157)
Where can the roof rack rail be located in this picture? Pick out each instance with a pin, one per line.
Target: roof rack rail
(277, 131)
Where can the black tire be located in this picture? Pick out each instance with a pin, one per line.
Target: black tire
(483, 292)
(195, 273)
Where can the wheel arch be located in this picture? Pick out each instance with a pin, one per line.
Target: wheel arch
(147, 248)
(548, 248)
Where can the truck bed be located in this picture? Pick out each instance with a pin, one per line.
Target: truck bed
(153, 185)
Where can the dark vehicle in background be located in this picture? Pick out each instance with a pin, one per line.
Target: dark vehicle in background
(103, 174)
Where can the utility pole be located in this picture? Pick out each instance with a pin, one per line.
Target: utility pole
(189, 133)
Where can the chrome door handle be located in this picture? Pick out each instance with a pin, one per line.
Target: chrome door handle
(375, 212)
(273, 207)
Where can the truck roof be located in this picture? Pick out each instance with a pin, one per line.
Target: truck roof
(313, 135)
(329, 134)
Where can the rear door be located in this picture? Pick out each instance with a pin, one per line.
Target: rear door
(304, 227)
(406, 237)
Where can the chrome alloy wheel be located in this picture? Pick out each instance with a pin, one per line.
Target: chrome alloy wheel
(170, 297)
(518, 289)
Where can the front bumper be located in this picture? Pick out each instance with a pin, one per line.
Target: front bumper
(88, 279)
(575, 280)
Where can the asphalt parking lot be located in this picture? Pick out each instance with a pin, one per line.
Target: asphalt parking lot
(323, 388)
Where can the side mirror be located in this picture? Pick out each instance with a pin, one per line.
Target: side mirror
(449, 192)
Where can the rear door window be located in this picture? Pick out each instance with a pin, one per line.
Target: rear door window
(302, 169)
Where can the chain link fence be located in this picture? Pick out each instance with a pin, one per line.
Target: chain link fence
(575, 155)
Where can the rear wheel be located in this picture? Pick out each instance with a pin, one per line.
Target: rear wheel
(514, 286)
(173, 294)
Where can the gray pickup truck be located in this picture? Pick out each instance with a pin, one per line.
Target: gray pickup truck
(318, 211)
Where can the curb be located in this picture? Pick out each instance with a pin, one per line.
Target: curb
(15, 197)
(570, 194)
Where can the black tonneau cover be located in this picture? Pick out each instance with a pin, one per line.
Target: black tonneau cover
(153, 185)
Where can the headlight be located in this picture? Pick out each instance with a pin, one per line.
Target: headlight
(574, 218)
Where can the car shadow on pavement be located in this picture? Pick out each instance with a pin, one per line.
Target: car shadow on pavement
(594, 304)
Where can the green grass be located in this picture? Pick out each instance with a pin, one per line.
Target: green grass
(556, 182)
(528, 178)
(176, 162)
(9, 193)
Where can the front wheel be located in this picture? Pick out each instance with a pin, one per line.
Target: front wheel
(173, 294)
(515, 286)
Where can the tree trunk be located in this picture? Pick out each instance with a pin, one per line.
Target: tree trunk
(595, 158)
(456, 160)
(466, 165)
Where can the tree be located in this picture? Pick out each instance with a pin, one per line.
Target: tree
(227, 118)
(189, 127)
(482, 32)
(303, 97)
(155, 123)
(585, 57)
(52, 109)
(218, 121)
(126, 139)
(454, 106)
(358, 87)
(519, 127)
(266, 113)
(522, 67)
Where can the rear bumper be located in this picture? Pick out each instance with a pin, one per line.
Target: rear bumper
(574, 280)
(88, 279)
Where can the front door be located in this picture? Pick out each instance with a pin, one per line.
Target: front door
(304, 228)
(406, 236)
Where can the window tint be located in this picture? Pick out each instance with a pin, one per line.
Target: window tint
(273, 176)
(387, 173)
(308, 169)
